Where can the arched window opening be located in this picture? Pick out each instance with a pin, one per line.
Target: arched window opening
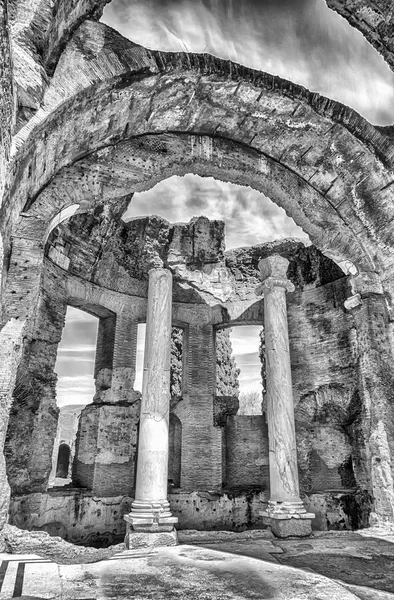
(75, 365)
(75, 362)
(63, 461)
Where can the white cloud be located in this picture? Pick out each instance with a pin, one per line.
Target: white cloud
(300, 40)
(250, 217)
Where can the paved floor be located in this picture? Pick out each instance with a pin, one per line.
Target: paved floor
(218, 567)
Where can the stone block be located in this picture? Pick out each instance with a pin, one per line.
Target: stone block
(152, 539)
(294, 527)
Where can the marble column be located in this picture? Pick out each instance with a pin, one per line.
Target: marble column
(150, 513)
(286, 514)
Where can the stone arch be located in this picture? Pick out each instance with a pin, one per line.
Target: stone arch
(330, 150)
(324, 164)
(140, 163)
(63, 215)
(63, 461)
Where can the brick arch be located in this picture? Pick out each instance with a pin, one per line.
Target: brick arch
(119, 91)
(138, 164)
(110, 176)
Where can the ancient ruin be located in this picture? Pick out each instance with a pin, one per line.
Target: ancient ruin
(88, 118)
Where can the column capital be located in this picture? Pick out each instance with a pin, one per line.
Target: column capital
(273, 273)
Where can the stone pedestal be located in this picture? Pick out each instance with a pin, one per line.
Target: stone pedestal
(150, 513)
(286, 513)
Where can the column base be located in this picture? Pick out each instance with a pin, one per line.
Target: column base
(287, 519)
(150, 524)
(151, 539)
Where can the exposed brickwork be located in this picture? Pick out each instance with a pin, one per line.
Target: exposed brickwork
(199, 436)
(105, 449)
(247, 453)
(105, 344)
(373, 422)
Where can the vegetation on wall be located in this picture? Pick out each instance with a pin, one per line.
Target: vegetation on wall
(176, 362)
(227, 373)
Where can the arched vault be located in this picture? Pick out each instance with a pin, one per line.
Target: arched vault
(118, 118)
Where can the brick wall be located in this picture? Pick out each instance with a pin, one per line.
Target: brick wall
(201, 440)
(247, 452)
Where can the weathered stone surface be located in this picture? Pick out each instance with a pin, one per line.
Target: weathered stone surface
(11, 346)
(78, 516)
(18, 541)
(40, 32)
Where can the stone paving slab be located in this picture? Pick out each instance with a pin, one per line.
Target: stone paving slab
(365, 593)
(179, 573)
(261, 549)
(354, 559)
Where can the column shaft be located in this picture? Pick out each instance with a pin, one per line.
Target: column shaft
(153, 436)
(280, 409)
(286, 513)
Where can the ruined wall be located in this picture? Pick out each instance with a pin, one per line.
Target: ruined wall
(325, 387)
(105, 450)
(247, 453)
(34, 413)
(213, 289)
(75, 515)
(10, 346)
(246, 148)
(80, 517)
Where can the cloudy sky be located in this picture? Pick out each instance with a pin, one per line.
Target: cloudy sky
(300, 40)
